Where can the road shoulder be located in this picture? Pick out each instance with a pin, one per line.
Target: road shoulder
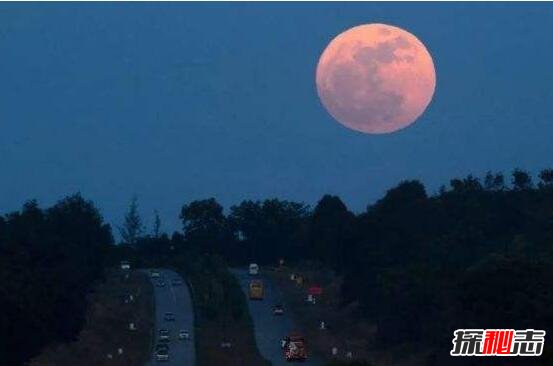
(109, 314)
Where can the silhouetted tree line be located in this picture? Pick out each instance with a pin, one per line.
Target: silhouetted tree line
(477, 254)
(49, 259)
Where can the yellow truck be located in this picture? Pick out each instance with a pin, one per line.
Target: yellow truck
(256, 290)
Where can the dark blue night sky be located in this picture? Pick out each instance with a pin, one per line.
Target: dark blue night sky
(175, 102)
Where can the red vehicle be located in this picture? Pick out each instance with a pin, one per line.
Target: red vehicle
(295, 348)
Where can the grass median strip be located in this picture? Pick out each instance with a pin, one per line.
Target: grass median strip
(224, 329)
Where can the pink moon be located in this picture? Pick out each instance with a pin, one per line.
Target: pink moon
(375, 78)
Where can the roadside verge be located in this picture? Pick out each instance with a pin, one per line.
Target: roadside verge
(113, 305)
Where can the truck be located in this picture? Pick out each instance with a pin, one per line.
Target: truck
(256, 290)
(295, 348)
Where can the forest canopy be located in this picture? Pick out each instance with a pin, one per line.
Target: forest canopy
(49, 259)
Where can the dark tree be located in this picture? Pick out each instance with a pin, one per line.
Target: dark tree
(49, 260)
(157, 225)
(331, 231)
(521, 180)
(132, 226)
(469, 184)
(546, 177)
(494, 182)
(205, 225)
(268, 230)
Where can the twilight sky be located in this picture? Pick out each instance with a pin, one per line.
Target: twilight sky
(175, 102)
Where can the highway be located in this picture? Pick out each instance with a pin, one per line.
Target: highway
(269, 329)
(177, 300)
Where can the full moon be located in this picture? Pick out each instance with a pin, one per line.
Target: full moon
(375, 78)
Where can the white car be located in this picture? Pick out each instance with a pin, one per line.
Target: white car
(162, 354)
(254, 269)
(278, 310)
(163, 335)
(184, 335)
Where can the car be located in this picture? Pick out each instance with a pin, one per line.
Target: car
(160, 284)
(154, 274)
(176, 282)
(169, 317)
(253, 269)
(161, 346)
(162, 354)
(294, 348)
(164, 335)
(184, 335)
(278, 310)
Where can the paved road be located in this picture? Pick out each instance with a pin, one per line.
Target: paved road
(269, 329)
(174, 299)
